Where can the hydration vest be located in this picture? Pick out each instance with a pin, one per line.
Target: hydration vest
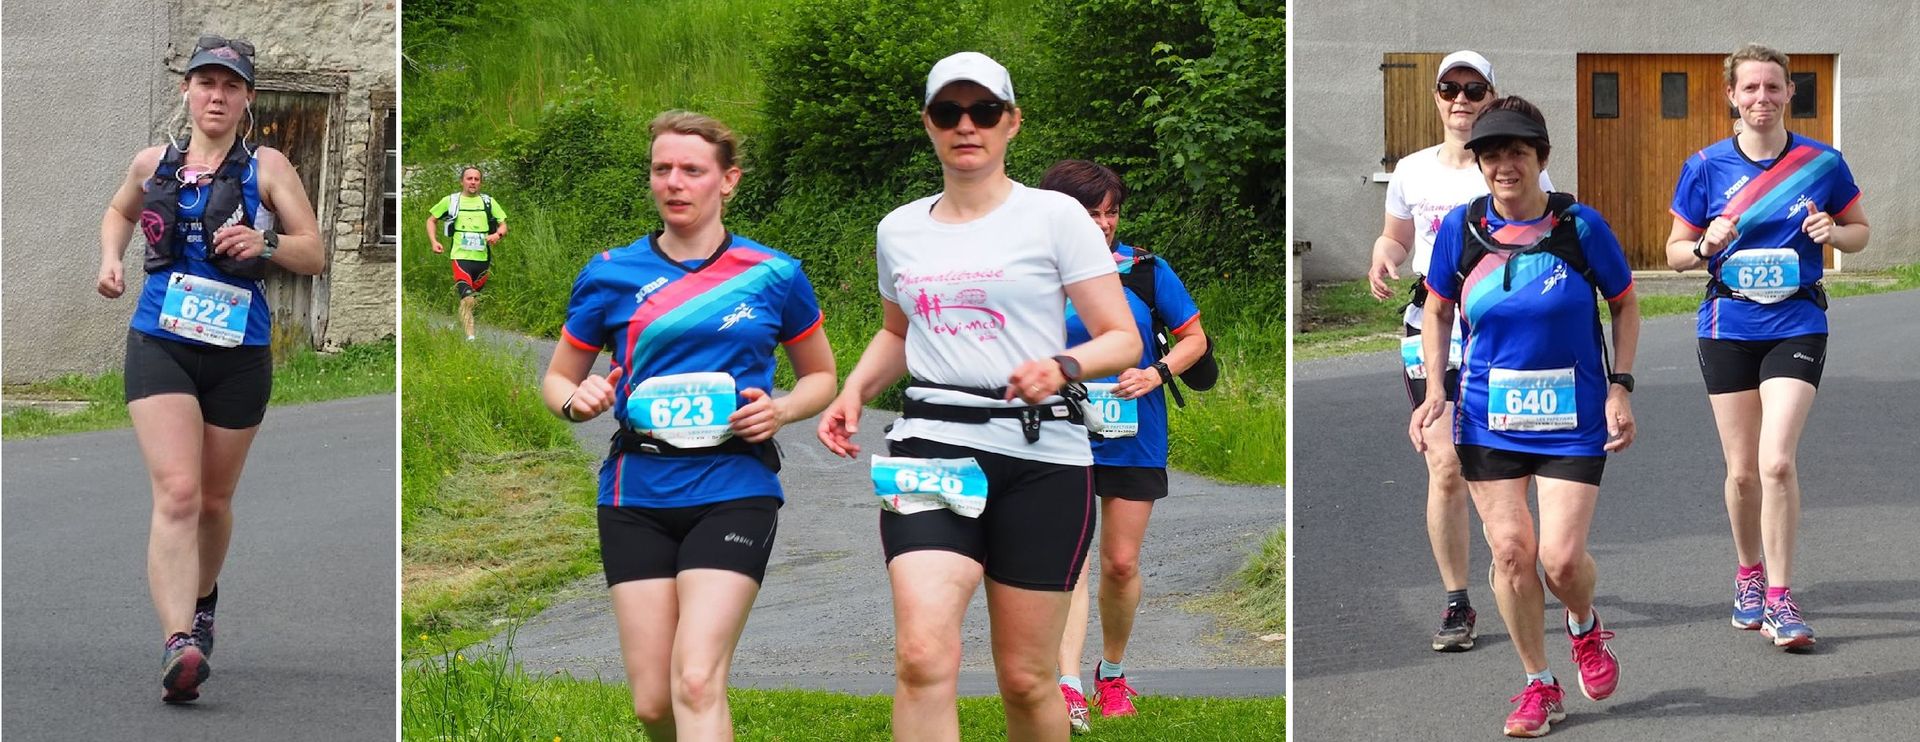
(1205, 372)
(453, 213)
(1562, 241)
(226, 205)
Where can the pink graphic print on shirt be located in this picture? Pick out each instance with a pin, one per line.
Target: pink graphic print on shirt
(956, 305)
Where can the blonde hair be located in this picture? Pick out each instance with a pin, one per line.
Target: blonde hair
(1755, 52)
(726, 144)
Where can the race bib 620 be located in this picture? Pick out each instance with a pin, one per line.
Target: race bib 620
(1410, 356)
(909, 485)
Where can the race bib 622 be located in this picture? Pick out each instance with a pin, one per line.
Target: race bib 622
(206, 310)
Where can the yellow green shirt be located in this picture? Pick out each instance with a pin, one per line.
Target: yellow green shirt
(470, 225)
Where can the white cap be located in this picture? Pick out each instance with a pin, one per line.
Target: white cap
(1468, 59)
(971, 67)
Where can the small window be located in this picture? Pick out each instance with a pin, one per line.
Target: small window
(390, 184)
(1806, 95)
(1673, 95)
(1606, 95)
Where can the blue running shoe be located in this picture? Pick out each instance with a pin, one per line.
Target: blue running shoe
(1784, 626)
(1749, 601)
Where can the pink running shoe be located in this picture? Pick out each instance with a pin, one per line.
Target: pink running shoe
(1114, 696)
(1599, 669)
(1539, 708)
(1076, 708)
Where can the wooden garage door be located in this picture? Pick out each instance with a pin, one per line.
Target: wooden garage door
(1642, 115)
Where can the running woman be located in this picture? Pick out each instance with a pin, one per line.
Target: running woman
(1425, 186)
(1538, 399)
(1129, 460)
(689, 496)
(987, 468)
(199, 369)
(476, 223)
(1755, 210)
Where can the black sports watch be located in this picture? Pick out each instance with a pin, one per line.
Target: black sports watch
(1166, 374)
(1069, 367)
(1699, 249)
(269, 242)
(1624, 380)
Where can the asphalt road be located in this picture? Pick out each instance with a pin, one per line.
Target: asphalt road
(306, 635)
(1367, 596)
(823, 619)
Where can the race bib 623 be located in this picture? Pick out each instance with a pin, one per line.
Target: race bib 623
(685, 410)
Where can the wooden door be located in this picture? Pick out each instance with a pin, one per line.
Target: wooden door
(1406, 88)
(1642, 115)
(296, 123)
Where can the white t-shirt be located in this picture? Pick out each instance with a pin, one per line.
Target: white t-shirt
(983, 297)
(1423, 189)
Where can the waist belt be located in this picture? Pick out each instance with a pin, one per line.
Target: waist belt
(1029, 417)
(627, 441)
(1815, 292)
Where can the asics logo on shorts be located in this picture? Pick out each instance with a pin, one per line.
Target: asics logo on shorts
(739, 313)
(1805, 357)
(738, 539)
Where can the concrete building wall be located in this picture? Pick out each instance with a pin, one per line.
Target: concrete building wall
(1337, 136)
(89, 84)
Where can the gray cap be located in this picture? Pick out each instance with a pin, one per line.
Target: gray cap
(224, 55)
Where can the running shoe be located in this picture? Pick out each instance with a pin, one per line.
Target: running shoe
(1456, 630)
(203, 631)
(1784, 625)
(1539, 708)
(183, 667)
(1599, 669)
(1114, 696)
(1749, 601)
(1076, 708)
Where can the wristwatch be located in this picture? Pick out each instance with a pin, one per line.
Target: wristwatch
(1069, 367)
(1624, 380)
(269, 241)
(1166, 374)
(1699, 248)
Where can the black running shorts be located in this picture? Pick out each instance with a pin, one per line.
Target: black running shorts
(470, 276)
(638, 543)
(1483, 464)
(1141, 483)
(232, 384)
(1033, 533)
(1740, 365)
(1417, 388)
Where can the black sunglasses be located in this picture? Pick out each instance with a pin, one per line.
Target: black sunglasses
(215, 42)
(1474, 90)
(985, 114)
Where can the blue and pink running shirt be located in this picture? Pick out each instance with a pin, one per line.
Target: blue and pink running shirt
(661, 317)
(1148, 446)
(1769, 199)
(1533, 377)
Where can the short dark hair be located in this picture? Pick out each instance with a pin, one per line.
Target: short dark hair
(1525, 108)
(475, 168)
(1087, 182)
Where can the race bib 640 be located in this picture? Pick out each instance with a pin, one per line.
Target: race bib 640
(1120, 418)
(1531, 400)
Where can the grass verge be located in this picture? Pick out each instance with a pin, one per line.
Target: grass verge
(1257, 603)
(306, 376)
(1342, 317)
(486, 697)
(496, 495)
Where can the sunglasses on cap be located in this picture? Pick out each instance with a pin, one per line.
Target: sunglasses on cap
(1474, 90)
(985, 114)
(207, 43)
